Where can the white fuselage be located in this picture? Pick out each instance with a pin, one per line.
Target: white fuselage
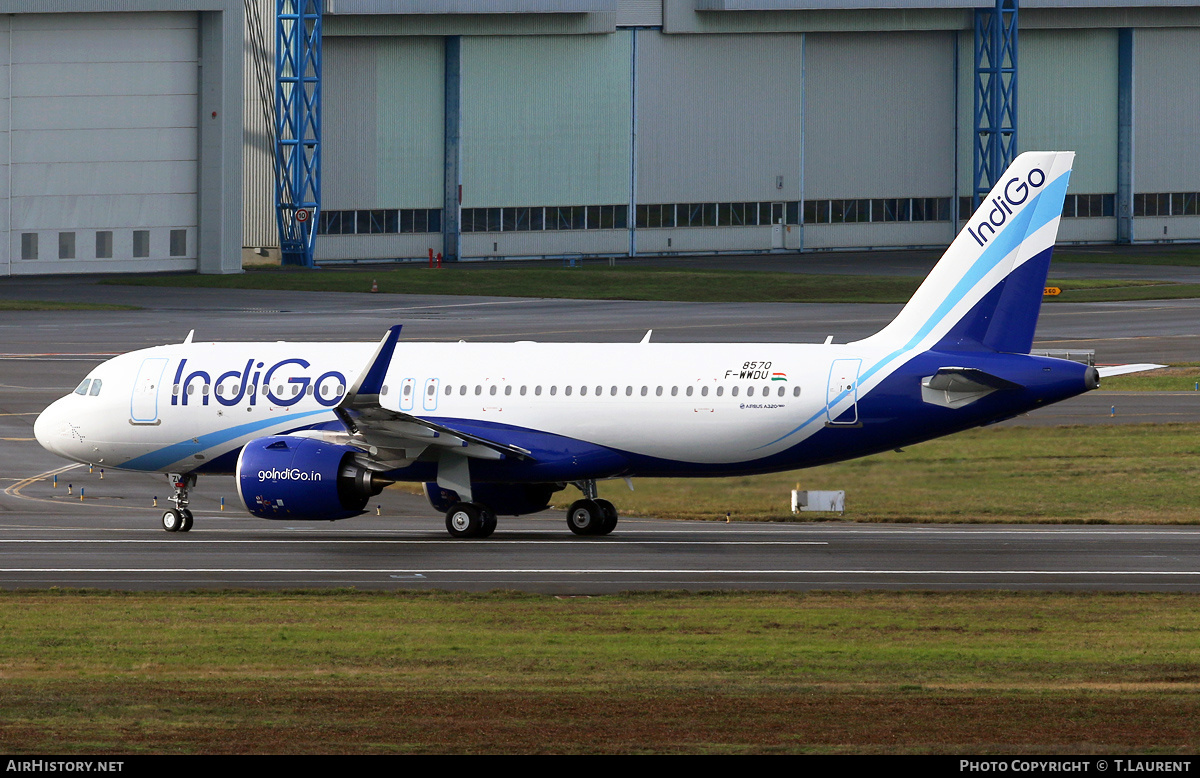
(174, 408)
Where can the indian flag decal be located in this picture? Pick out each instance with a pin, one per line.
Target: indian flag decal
(778, 376)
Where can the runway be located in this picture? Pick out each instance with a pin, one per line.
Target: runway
(115, 547)
(111, 539)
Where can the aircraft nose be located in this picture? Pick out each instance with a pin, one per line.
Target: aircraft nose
(49, 428)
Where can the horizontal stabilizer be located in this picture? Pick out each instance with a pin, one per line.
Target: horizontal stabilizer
(1108, 371)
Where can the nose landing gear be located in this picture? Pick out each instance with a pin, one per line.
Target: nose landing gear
(179, 518)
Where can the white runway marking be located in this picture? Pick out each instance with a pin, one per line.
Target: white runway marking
(400, 541)
(590, 571)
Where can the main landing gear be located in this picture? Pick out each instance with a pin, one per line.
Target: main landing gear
(591, 515)
(179, 518)
(470, 520)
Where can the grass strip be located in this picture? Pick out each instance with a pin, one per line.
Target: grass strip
(1093, 474)
(351, 672)
(1182, 257)
(598, 282)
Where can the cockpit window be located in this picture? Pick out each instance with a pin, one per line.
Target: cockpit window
(95, 387)
(83, 388)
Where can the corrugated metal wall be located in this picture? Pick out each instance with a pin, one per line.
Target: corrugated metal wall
(879, 115)
(754, 116)
(1166, 110)
(1068, 100)
(718, 117)
(639, 13)
(103, 137)
(557, 135)
(382, 117)
(258, 167)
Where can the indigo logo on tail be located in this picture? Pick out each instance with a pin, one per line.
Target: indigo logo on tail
(1015, 193)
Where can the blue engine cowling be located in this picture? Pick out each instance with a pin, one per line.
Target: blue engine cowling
(284, 477)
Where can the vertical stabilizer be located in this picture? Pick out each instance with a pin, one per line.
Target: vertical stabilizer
(986, 291)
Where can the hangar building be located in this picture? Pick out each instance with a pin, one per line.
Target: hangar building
(120, 135)
(546, 128)
(611, 127)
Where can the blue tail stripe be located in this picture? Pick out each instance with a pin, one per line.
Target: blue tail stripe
(156, 460)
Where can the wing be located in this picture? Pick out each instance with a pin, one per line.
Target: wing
(391, 439)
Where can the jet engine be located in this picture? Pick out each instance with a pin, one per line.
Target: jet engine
(284, 477)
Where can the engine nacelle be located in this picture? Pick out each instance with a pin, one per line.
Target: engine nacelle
(284, 477)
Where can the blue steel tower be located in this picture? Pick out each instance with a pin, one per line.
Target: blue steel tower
(995, 94)
(297, 127)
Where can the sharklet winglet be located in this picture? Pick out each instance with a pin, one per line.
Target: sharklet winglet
(371, 380)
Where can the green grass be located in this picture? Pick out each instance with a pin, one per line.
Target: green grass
(599, 282)
(348, 672)
(46, 305)
(1181, 257)
(1086, 474)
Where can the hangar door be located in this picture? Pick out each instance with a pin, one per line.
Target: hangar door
(100, 142)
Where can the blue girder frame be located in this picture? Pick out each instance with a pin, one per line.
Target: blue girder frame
(995, 94)
(297, 127)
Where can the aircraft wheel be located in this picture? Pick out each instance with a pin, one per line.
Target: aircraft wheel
(188, 520)
(489, 524)
(610, 517)
(464, 520)
(172, 520)
(585, 517)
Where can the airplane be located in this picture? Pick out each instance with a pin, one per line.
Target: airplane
(312, 431)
